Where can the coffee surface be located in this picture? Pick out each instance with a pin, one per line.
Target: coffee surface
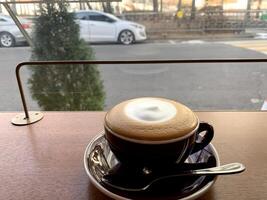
(150, 110)
(151, 119)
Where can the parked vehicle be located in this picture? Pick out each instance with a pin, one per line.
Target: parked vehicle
(10, 34)
(96, 26)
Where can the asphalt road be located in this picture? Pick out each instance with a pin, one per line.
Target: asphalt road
(201, 87)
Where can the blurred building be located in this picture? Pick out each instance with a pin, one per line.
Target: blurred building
(145, 5)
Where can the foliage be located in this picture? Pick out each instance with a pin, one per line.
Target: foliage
(58, 87)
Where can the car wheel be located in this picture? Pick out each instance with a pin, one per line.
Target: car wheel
(126, 37)
(7, 40)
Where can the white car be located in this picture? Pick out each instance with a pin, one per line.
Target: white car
(96, 26)
(10, 33)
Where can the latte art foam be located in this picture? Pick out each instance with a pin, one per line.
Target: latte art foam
(150, 110)
(150, 120)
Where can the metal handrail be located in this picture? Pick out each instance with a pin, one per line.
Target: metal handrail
(119, 62)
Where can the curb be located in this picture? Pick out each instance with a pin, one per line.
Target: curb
(182, 36)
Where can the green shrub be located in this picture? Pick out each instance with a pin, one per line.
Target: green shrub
(58, 87)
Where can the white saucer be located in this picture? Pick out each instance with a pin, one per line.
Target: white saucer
(95, 171)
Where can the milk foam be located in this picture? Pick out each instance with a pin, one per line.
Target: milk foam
(150, 110)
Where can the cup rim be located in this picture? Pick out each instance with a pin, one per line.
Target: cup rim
(151, 141)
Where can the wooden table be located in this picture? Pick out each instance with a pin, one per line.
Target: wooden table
(45, 160)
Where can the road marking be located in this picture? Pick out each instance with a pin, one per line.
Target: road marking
(264, 105)
(255, 100)
(172, 42)
(193, 42)
(255, 45)
(144, 71)
(261, 36)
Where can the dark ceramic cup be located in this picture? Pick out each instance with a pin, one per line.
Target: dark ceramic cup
(154, 152)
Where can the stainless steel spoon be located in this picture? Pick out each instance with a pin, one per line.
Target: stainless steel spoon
(227, 169)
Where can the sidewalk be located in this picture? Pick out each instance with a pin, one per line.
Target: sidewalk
(194, 35)
(259, 33)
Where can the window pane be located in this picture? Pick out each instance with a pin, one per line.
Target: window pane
(141, 30)
(98, 17)
(217, 86)
(81, 16)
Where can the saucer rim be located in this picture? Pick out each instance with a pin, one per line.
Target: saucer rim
(104, 190)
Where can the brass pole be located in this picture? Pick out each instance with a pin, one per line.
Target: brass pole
(33, 117)
(22, 92)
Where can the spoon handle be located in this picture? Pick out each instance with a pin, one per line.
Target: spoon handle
(231, 168)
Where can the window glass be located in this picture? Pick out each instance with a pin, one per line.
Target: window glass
(144, 30)
(98, 17)
(81, 16)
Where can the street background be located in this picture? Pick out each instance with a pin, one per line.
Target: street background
(183, 29)
(201, 87)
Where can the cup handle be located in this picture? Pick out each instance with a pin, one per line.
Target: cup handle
(206, 138)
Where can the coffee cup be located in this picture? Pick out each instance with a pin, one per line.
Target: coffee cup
(153, 131)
